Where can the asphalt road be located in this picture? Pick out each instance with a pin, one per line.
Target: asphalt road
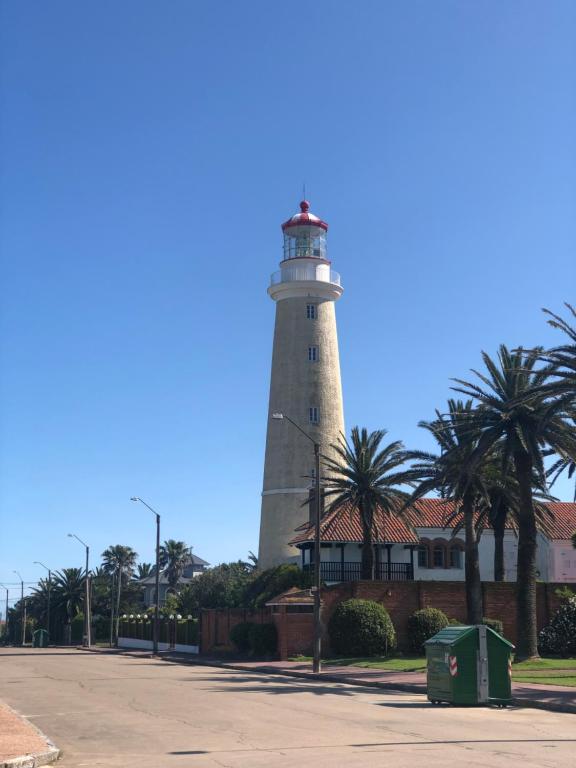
(119, 711)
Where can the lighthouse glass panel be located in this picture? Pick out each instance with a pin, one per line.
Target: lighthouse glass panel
(303, 244)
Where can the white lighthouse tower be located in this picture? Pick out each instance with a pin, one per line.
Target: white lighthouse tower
(305, 382)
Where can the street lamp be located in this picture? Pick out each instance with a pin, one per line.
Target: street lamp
(6, 617)
(87, 639)
(157, 579)
(316, 663)
(37, 562)
(23, 608)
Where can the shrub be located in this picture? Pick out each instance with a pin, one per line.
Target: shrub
(559, 637)
(494, 624)
(263, 639)
(361, 628)
(272, 582)
(423, 624)
(240, 636)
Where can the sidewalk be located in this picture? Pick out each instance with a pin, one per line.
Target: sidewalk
(554, 697)
(21, 744)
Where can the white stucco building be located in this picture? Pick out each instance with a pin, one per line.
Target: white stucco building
(428, 549)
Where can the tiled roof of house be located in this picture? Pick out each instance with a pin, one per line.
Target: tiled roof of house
(563, 523)
(345, 526)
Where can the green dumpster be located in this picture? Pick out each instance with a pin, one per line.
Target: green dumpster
(469, 665)
(40, 638)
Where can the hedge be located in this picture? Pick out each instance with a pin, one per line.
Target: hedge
(361, 628)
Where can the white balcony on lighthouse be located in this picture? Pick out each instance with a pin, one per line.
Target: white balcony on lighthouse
(305, 269)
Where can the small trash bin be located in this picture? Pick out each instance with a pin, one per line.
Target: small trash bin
(469, 665)
(40, 638)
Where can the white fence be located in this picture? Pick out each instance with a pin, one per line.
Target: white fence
(147, 645)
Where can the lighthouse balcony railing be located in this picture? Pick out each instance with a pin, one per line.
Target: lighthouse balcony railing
(321, 273)
(338, 571)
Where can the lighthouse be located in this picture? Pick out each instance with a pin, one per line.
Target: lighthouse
(305, 382)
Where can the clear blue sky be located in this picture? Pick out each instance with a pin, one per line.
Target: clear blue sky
(149, 153)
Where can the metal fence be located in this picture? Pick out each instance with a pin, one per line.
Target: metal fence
(173, 629)
(351, 571)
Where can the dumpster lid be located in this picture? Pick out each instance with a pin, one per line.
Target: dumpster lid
(452, 635)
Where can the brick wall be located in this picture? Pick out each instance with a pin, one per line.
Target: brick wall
(216, 623)
(401, 599)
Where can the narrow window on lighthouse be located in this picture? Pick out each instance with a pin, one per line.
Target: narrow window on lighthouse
(311, 311)
(314, 418)
(313, 354)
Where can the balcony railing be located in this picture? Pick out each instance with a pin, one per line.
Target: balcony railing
(292, 274)
(351, 571)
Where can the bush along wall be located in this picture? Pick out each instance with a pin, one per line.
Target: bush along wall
(361, 628)
(423, 625)
(559, 637)
(260, 640)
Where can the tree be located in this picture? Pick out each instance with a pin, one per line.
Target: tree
(365, 478)
(174, 556)
(143, 570)
(120, 561)
(68, 595)
(451, 474)
(562, 360)
(223, 586)
(517, 409)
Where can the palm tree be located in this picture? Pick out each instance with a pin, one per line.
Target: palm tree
(68, 589)
(365, 477)
(450, 473)
(502, 509)
(174, 556)
(562, 359)
(516, 409)
(143, 570)
(119, 561)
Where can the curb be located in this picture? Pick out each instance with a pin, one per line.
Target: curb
(34, 759)
(331, 678)
(358, 683)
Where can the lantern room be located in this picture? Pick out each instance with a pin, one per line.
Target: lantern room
(304, 235)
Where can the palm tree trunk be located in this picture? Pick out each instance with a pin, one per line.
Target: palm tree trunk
(118, 593)
(498, 526)
(472, 572)
(526, 626)
(367, 565)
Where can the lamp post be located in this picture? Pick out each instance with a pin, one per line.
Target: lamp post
(23, 609)
(316, 663)
(157, 575)
(37, 562)
(6, 617)
(87, 630)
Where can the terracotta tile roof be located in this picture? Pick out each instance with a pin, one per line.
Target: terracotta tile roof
(345, 526)
(563, 524)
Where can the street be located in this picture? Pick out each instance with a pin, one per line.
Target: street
(123, 711)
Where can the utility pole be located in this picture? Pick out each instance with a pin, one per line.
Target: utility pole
(316, 662)
(37, 562)
(87, 619)
(157, 577)
(23, 606)
(6, 617)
